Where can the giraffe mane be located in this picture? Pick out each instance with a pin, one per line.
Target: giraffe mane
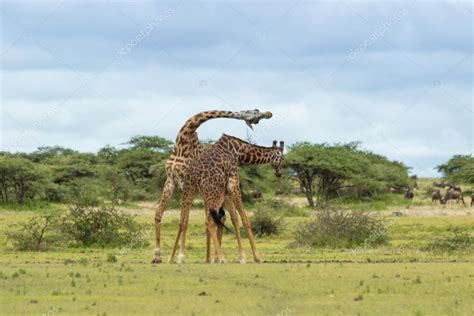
(224, 136)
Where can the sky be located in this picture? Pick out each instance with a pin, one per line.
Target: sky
(396, 76)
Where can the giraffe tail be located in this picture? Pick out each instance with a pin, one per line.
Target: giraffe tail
(217, 217)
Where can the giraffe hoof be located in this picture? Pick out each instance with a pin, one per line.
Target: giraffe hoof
(242, 260)
(180, 259)
(258, 260)
(156, 261)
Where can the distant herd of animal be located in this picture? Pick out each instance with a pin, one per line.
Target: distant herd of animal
(453, 193)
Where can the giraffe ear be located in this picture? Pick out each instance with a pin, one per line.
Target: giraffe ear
(274, 144)
(282, 146)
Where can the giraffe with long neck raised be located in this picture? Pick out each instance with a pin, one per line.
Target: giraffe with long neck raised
(214, 175)
(187, 147)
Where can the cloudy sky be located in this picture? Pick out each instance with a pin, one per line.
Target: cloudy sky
(395, 75)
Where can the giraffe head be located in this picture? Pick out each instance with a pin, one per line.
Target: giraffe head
(254, 116)
(277, 157)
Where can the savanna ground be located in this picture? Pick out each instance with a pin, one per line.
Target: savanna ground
(399, 278)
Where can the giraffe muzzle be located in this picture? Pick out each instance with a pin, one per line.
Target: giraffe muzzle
(254, 117)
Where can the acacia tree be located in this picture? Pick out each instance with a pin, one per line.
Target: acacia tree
(49, 154)
(20, 177)
(116, 183)
(323, 170)
(152, 143)
(459, 169)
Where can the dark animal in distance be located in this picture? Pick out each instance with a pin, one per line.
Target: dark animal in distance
(444, 184)
(441, 185)
(472, 199)
(436, 196)
(414, 179)
(409, 194)
(257, 194)
(453, 195)
(455, 188)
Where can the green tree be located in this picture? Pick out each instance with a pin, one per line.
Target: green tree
(324, 171)
(109, 154)
(320, 168)
(152, 143)
(21, 178)
(49, 154)
(76, 166)
(116, 183)
(459, 169)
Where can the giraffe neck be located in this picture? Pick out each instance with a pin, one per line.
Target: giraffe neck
(187, 142)
(246, 153)
(257, 155)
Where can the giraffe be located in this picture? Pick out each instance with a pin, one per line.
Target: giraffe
(214, 175)
(187, 147)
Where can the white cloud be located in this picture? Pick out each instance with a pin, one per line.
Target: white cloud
(207, 56)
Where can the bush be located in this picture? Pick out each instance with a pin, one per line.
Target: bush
(339, 229)
(112, 258)
(83, 192)
(265, 223)
(457, 241)
(104, 226)
(38, 234)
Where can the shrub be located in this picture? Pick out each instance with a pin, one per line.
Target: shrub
(456, 241)
(112, 258)
(104, 226)
(35, 235)
(339, 229)
(83, 192)
(265, 223)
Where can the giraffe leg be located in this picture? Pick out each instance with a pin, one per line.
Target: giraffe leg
(220, 233)
(172, 258)
(212, 229)
(234, 189)
(186, 202)
(235, 222)
(182, 245)
(208, 244)
(167, 192)
(220, 230)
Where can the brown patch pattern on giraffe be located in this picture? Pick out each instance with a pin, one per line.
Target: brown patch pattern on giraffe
(214, 175)
(187, 147)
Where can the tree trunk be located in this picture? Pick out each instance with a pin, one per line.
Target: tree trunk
(4, 189)
(307, 185)
(309, 196)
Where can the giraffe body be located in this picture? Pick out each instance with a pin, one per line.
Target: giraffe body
(214, 175)
(187, 147)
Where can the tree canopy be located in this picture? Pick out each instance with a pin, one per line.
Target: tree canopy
(459, 169)
(326, 170)
(136, 172)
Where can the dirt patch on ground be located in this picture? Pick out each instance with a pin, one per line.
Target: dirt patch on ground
(148, 209)
(425, 211)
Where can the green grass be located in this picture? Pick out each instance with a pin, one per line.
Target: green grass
(378, 203)
(395, 279)
(268, 289)
(29, 205)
